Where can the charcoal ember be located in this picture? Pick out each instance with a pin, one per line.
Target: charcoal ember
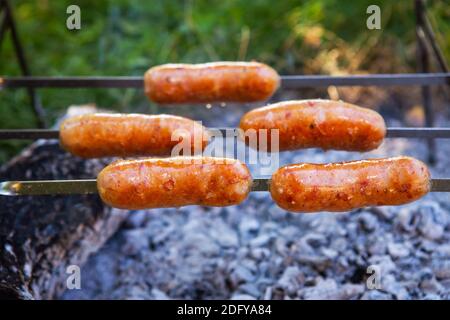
(350, 291)
(397, 250)
(376, 295)
(431, 286)
(224, 235)
(268, 294)
(432, 296)
(318, 262)
(340, 244)
(260, 253)
(250, 288)
(248, 226)
(240, 274)
(327, 224)
(445, 284)
(135, 242)
(329, 253)
(384, 264)
(159, 295)
(443, 251)
(261, 240)
(291, 279)
(311, 242)
(135, 292)
(390, 284)
(383, 213)
(324, 289)
(329, 290)
(242, 297)
(376, 245)
(429, 219)
(441, 269)
(277, 213)
(136, 219)
(368, 221)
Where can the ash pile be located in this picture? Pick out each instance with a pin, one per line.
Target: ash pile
(258, 251)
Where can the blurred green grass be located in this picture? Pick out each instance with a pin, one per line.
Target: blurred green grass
(127, 37)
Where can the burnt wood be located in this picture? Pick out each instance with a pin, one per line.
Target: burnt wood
(41, 236)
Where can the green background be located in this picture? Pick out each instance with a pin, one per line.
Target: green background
(127, 37)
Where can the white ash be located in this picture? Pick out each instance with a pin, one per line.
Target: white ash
(258, 251)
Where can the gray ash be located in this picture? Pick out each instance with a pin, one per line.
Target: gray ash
(258, 251)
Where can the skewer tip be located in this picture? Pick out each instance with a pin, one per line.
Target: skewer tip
(10, 188)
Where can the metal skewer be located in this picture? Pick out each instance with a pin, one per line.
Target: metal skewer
(294, 81)
(89, 186)
(393, 132)
(29, 134)
(48, 187)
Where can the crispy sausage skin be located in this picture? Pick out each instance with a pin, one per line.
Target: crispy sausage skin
(103, 135)
(349, 185)
(174, 182)
(211, 82)
(324, 124)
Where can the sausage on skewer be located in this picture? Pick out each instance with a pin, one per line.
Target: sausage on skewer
(211, 82)
(174, 182)
(349, 185)
(106, 135)
(324, 124)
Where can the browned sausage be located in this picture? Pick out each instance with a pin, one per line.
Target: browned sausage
(349, 185)
(322, 124)
(211, 82)
(103, 135)
(174, 182)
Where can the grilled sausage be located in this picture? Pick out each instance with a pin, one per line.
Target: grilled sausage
(174, 182)
(349, 185)
(211, 82)
(102, 135)
(322, 124)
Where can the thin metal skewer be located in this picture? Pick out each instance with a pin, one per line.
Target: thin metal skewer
(398, 132)
(28, 134)
(89, 186)
(294, 81)
(48, 187)
(393, 132)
